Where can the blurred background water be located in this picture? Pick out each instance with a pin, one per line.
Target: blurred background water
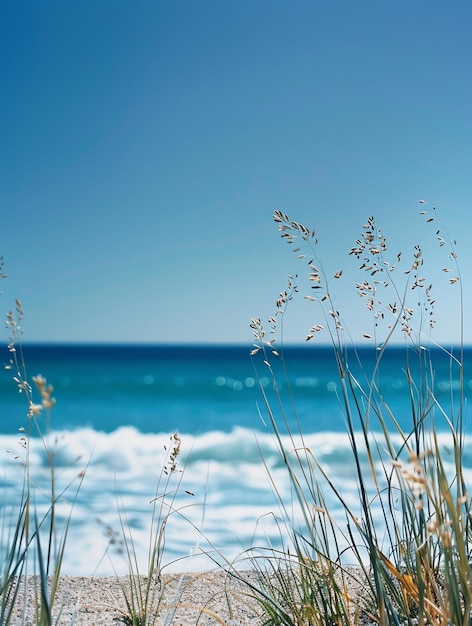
(119, 405)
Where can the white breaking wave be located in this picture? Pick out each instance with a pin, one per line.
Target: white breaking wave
(222, 499)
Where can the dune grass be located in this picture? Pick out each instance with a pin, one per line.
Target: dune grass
(143, 593)
(409, 535)
(38, 542)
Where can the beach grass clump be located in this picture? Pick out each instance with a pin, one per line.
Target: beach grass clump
(143, 591)
(409, 533)
(36, 545)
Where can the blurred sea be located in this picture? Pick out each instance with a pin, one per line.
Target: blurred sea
(118, 406)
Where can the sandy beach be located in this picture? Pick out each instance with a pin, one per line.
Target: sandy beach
(180, 600)
(190, 599)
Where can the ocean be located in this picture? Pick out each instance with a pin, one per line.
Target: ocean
(112, 430)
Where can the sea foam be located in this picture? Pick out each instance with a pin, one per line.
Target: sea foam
(223, 495)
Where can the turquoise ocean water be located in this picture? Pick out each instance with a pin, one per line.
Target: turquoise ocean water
(118, 406)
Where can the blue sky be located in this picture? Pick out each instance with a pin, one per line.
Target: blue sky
(146, 145)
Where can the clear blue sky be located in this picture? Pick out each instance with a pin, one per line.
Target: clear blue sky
(145, 146)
